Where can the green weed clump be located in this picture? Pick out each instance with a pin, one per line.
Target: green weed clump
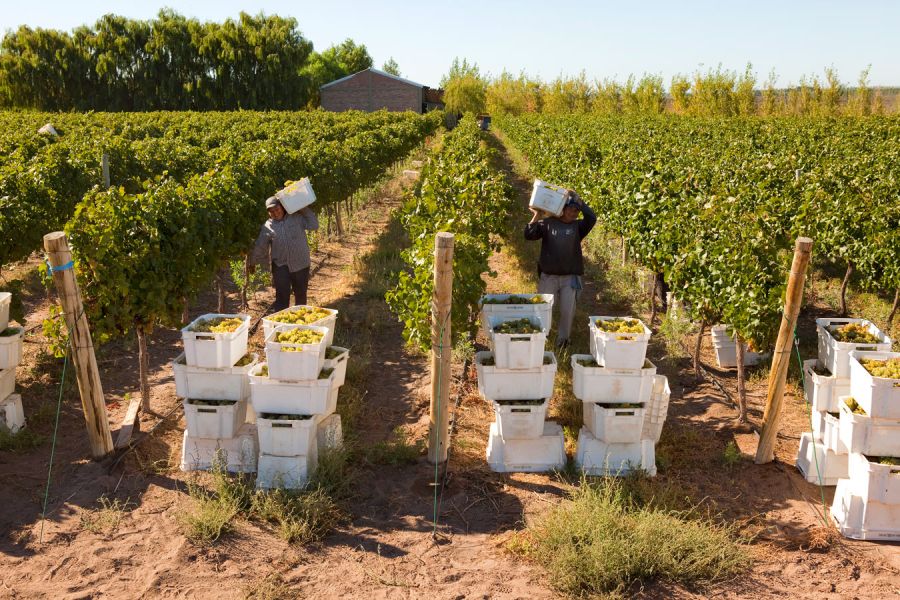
(604, 540)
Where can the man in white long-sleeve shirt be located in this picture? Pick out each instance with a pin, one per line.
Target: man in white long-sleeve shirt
(282, 243)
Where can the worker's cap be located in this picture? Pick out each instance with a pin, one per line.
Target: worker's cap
(572, 199)
(271, 202)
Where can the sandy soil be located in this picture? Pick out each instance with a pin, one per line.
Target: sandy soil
(387, 548)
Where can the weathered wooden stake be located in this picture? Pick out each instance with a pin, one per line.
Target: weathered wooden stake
(86, 372)
(765, 452)
(441, 350)
(104, 167)
(143, 367)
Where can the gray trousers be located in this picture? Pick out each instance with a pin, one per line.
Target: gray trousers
(564, 294)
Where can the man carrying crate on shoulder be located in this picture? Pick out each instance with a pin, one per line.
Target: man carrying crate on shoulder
(282, 242)
(561, 264)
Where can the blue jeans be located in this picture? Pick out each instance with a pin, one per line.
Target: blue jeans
(285, 281)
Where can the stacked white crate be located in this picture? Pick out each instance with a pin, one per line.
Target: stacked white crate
(822, 456)
(295, 406)
(725, 345)
(12, 417)
(215, 392)
(519, 385)
(867, 502)
(624, 400)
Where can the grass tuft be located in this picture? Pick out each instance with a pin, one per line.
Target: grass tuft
(23, 441)
(604, 540)
(397, 450)
(107, 517)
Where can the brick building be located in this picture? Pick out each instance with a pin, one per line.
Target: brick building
(372, 90)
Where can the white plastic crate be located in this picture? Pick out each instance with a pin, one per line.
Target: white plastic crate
(12, 413)
(305, 362)
(878, 396)
(818, 464)
(726, 349)
(548, 197)
(5, 301)
(225, 383)
(822, 391)
(517, 350)
(515, 384)
(873, 481)
(269, 323)
(329, 433)
(339, 364)
(297, 196)
(614, 425)
(546, 452)
(221, 421)
(520, 421)
(543, 311)
(286, 437)
(831, 437)
(817, 420)
(286, 472)
(307, 397)
(656, 412)
(618, 350)
(7, 383)
(11, 349)
(603, 384)
(215, 350)
(238, 453)
(862, 433)
(835, 355)
(596, 457)
(860, 520)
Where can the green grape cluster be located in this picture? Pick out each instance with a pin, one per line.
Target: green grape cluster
(197, 402)
(284, 417)
(620, 325)
(218, 325)
(301, 316)
(325, 373)
(854, 333)
(854, 406)
(332, 352)
(515, 299)
(245, 360)
(517, 326)
(891, 461)
(298, 336)
(536, 402)
(10, 331)
(887, 368)
(263, 372)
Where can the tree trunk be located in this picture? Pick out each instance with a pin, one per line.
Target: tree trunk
(697, 347)
(624, 251)
(653, 300)
(742, 392)
(245, 304)
(844, 285)
(185, 313)
(220, 287)
(144, 363)
(337, 218)
(891, 316)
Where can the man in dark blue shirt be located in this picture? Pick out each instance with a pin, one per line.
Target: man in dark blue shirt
(561, 264)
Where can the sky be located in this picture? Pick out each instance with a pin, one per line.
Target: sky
(546, 39)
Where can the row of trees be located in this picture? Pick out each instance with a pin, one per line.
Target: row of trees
(716, 92)
(171, 63)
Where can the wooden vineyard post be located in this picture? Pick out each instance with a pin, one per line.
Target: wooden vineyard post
(81, 344)
(104, 167)
(765, 452)
(441, 304)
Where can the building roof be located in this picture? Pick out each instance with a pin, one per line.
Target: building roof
(377, 72)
